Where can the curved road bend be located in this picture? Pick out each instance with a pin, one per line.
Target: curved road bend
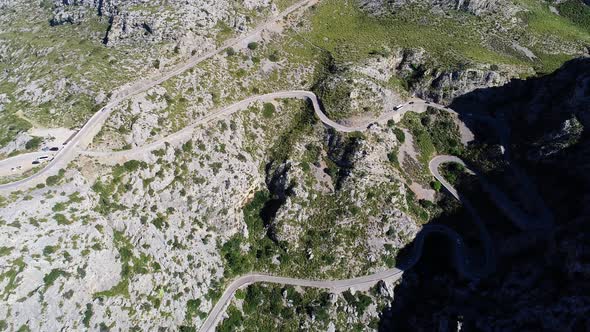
(93, 125)
(520, 219)
(186, 132)
(417, 105)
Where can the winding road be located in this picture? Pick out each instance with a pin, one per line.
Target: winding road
(94, 124)
(463, 261)
(415, 105)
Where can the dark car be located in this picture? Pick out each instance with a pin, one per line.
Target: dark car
(55, 148)
(36, 162)
(411, 103)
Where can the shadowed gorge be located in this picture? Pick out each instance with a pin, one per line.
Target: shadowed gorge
(541, 282)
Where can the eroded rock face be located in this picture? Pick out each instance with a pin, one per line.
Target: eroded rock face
(150, 22)
(477, 7)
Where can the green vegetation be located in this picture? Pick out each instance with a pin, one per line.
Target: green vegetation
(192, 310)
(452, 172)
(49, 250)
(268, 110)
(9, 278)
(301, 123)
(5, 251)
(34, 143)
(87, 315)
(351, 34)
(55, 179)
(434, 131)
(577, 12)
(265, 309)
(52, 276)
(10, 127)
(436, 185)
(232, 322)
(453, 40)
(399, 134)
(359, 301)
(61, 219)
(570, 26)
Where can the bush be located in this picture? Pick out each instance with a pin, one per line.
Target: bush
(61, 219)
(274, 57)
(437, 186)
(133, 165)
(156, 64)
(230, 51)
(192, 309)
(425, 204)
(33, 143)
(50, 278)
(253, 45)
(392, 156)
(268, 110)
(399, 134)
(54, 179)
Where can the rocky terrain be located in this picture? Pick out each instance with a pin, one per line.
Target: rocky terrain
(130, 238)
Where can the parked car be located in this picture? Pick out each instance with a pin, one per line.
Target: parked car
(43, 157)
(411, 103)
(55, 148)
(36, 162)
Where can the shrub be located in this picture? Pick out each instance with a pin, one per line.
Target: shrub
(54, 179)
(437, 186)
(33, 143)
(61, 219)
(274, 57)
(399, 134)
(268, 110)
(253, 45)
(50, 278)
(230, 51)
(392, 156)
(87, 315)
(192, 309)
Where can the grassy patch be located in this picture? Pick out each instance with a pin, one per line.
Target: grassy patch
(351, 34)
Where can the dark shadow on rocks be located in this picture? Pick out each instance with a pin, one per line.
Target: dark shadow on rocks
(542, 281)
(279, 188)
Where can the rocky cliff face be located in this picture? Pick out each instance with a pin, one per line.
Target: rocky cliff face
(429, 81)
(158, 21)
(477, 7)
